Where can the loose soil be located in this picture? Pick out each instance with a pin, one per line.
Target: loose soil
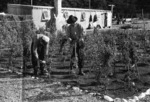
(15, 88)
(59, 87)
(62, 86)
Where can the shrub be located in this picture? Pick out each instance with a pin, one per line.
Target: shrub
(99, 52)
(102, 48)
(16, 34)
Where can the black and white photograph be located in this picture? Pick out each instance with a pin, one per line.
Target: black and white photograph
(74, 50)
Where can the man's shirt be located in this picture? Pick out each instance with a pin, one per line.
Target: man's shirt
(36, 43)
(75, 31)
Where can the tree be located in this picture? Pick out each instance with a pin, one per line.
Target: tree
(95, 4)
(143, 4)
(75, 3)
(124, 8)
(99, 4)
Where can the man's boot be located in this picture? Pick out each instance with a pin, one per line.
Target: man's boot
(42, 69)
(80, 66)
(80, 72)
(35, 74)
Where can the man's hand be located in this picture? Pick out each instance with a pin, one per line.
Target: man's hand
(42, 61)
(70, 39)
(81, 39)
(81, 43)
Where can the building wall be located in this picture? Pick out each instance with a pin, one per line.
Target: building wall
(78, 13)
(18, 9)
(109, 19)
(37, 12)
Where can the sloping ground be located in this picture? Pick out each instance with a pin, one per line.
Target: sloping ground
(10, 87)
(62, 86)
(13, 88)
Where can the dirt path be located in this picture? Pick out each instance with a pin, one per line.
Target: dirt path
(61, 87)
(10, 88)
(13, 88)
(17, 89)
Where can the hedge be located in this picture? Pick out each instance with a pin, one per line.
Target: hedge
(105, 47)
(15, 37)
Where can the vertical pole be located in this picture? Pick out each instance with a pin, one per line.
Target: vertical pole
(89, 4)
(57, 14)
(143, 18)
(31, 2)
(112, 7)
(142, 14)
(58, 6)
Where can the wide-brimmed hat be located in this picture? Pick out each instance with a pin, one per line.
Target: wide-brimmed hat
(72, 19)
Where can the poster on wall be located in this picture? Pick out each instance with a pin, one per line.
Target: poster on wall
(90, 26)
(82, 16)
(45, 15)
(95, 18)
(90, 18)
(65, 14)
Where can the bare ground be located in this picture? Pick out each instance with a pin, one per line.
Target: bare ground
(17, 89)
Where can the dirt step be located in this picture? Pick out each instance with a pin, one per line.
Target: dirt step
(61, 67)
(60, 64)
(66, 77)
(60, 72)
(60, 59)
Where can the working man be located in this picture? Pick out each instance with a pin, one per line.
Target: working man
(75, 34)
(64, 37)
(39, 53)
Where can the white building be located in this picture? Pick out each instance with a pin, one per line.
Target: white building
(41, 14)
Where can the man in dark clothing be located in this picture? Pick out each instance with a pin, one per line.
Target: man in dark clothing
(39, 53)
(75, 34)
(64, 38)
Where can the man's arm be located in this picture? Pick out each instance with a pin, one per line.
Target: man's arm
(68, 33)
(81, 31)
(35, 49)
(47, 49)
(46, 52)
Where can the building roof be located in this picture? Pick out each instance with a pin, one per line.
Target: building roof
(32, 6)
(63, 8)
(83, 9)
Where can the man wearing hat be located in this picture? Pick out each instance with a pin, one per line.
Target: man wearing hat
(75, 34)
(39, 53)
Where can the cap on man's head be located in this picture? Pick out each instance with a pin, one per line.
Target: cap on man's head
(72, 19)
(45, 39)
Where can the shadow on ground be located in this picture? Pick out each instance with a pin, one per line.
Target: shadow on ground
(5, 73)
